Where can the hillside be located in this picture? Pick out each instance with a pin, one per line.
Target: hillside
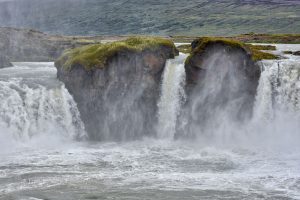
(168, 17)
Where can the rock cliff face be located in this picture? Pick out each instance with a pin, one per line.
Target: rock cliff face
(222, 79)
(204, 49)
(117, 100)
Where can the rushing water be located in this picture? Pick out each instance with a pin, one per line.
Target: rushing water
(172, 96)
(39, 158)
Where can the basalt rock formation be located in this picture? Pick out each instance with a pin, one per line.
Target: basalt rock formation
(205, 48)
(222, 77)
(116, 86)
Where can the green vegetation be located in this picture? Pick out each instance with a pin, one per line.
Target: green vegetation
(185, 48)
(252, 38)
(269, 38)
(260, 55)
(97, 55)
(254, 50)
(262, 47)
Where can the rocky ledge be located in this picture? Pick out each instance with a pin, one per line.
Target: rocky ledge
(116, 85)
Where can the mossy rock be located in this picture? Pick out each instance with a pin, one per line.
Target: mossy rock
(198, 47)
(258, 55)
(97, 55)
(185, 48)
(261, 47)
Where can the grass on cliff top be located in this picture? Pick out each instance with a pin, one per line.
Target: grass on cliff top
(261, 47)
(185, 48)
(251, 38)
(97, 55)
(255, 50)
(269, 38)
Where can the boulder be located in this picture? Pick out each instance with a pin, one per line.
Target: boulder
(221, 80)
(207, 47)
(116, 86)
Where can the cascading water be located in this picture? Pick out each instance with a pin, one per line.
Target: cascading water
(279, 88)
(219, 109)
(277, 108)
(172, 96)
(34, 103)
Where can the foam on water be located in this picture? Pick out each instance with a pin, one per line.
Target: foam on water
(145, 168)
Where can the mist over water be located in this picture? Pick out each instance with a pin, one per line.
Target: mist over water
(250, 157)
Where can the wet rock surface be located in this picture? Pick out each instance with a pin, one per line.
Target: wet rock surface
(221, 88)
(119, 101)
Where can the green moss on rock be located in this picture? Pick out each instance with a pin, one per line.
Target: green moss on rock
(262, 47)
(185, 48)
(97, 55)
(260, 55)
(201, 44)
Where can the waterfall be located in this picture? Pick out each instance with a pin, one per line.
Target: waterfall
(279, 89)
(172, 96)
(218, 111)
(277, 108)
(34, 103)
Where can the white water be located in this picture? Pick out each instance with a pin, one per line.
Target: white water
(276, 117)
(35, 104)
(263, 163)
(172, 96)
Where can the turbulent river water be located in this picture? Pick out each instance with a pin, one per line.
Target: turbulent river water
(44, 154)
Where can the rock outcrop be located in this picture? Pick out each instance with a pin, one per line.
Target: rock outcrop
(24, 45)
(236, 51)
(116, 86)
(4, 62)
(222, 78)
